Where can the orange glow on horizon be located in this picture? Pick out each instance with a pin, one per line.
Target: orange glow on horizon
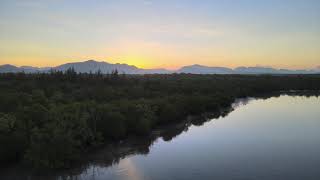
(143, 62)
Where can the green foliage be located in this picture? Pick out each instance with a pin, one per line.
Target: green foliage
(12, 143)
(7, 123)
(111, 124)
(52, 147)
(50, 119)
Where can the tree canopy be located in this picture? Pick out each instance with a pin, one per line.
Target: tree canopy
(49, 119)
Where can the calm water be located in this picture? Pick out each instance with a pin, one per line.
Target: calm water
(276, 138)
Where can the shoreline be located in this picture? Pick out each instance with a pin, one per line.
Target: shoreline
(109, 154)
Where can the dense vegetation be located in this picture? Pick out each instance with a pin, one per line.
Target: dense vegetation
(48, 120)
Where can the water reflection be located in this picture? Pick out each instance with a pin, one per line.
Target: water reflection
(228, 143)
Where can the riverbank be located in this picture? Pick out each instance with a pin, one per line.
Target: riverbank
(112, 154)
(108, 155)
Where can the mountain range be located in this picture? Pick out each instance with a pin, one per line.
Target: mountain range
(104, 67)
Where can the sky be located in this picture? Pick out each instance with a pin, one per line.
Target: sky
(161, 33)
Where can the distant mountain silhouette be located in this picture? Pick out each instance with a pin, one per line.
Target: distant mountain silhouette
(199, 69)
(13, 69)
(104, 67)
(269, 70)
(95, 66)
(9, 68)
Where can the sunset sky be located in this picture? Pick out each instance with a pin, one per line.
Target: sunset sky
(161, 33)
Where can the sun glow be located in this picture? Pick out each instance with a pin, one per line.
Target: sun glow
(135, 60)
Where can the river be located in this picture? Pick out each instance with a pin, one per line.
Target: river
(275, 138)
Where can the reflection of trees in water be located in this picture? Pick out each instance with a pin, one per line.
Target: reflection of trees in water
(113, 154)
(140, 145)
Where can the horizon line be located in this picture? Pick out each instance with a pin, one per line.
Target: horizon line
(170, 69)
